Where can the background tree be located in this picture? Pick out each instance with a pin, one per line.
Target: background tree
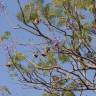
(60, 64)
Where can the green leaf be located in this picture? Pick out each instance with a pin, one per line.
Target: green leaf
(50, 12)
(5, 36)
(59, 2)
(27, 11)
(64, 57)
(50, 94)
(34, 16)
(20, 56)
(69, 93)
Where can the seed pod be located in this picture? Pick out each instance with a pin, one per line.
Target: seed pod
(35, 55)
(37, 21)
(9, 64)
(43, 54)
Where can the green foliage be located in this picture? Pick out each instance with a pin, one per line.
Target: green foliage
(20, 56)
(27, 11)
(51, 12)
(81, 4)
(60, 2)
(68, 93)
(58, 82)
(15, 60)
(64, 58)
(5, 36)
(50, 94)
(66, 19)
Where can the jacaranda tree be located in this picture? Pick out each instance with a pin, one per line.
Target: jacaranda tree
(61, 64)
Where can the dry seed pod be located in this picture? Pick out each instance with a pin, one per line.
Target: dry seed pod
(37, 21)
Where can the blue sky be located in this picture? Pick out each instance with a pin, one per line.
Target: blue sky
(7, 22)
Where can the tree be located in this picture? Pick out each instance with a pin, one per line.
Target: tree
(61, 63)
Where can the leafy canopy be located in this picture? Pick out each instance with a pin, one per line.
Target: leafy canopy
(61, 63)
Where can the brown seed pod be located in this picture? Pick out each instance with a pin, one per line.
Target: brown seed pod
(43, 54)
(37, 21)
(9, 64)
(35, 55)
